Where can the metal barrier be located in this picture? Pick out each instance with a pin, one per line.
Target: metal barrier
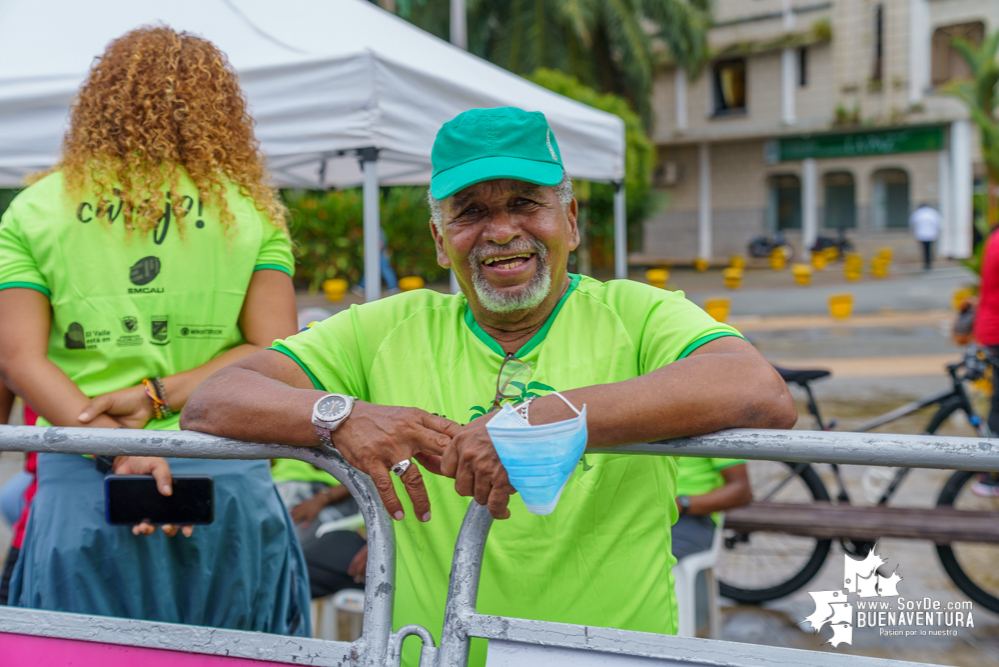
(521, 641)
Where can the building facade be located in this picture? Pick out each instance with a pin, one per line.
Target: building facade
(817, 118)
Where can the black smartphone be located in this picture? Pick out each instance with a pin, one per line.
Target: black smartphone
(132, 499)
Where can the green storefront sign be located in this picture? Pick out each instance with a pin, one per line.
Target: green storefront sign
(857, 144)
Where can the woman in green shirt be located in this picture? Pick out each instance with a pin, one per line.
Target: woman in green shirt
(151, 255)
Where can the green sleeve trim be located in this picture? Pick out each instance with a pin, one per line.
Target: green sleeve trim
(536, 339)
(275, 267)
(35, 286)
(278, 347)
(705, 339)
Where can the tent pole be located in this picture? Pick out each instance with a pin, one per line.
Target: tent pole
(459, 30)
(372, 225)
(620, 233)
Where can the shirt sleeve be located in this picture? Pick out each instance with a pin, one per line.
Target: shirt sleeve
(673, 327)
(275, 249)
(17, 263)
(721, 464)
(329, 354)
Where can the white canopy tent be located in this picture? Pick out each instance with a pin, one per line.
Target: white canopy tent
(343, 93)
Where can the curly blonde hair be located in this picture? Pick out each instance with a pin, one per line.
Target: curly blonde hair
(157, 101)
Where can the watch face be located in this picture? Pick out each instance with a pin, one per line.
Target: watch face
(331, 408)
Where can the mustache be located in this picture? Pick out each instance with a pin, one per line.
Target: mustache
(479, 253)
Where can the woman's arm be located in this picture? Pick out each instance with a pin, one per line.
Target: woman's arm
(24, 364)
(6, 403)
(268, 314)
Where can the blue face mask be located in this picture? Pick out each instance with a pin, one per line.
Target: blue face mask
(539, 460)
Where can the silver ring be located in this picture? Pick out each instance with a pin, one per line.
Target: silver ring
(400, 468)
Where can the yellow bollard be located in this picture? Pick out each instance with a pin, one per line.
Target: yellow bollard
(959, 295)
(733, 277)
(841, 305)
(853, 266)
(818, 261)
(879, 267)
(737, 262)
(778, 260)
(802, 273)
(717, 307)
(701, 264)
(831, 253)
(335, 288)
(657, 277)
(410, 283)
(885, 253)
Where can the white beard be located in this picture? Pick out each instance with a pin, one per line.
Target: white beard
(529, 296)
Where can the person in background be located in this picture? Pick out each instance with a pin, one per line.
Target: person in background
(925, 222)
(705, 487)
(986, 331)
(388, 275)
(152, 254)
(20, 491)
(313, 497)
(6, 403)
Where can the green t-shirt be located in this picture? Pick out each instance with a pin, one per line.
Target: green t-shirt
(697, 476)
(128, 307)
(603, 556)
(292, 470)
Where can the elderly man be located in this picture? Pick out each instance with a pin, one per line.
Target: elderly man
(423, 366)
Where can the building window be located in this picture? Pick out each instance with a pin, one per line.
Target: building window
(783, 202)
(729, 87)
(890, 199)
(803, 66)
(840, 208)
(878, 42)
(947, 63)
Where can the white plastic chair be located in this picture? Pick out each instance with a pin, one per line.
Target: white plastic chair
(325, 612)
(685, 573)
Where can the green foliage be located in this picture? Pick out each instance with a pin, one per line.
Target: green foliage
(639, 162)
(327, 230)
(607, 44)
(822, 29)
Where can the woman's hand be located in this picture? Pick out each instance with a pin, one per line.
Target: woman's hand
(160, 470)
(358, 567)
(130, 407)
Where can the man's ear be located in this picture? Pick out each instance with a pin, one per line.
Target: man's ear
(572, 213)
(442, 258)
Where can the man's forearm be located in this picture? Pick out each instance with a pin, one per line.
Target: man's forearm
(699, 394)
(244, 404)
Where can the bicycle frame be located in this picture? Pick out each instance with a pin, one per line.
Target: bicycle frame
(534, 642)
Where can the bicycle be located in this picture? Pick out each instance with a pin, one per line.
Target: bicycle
(782, 564)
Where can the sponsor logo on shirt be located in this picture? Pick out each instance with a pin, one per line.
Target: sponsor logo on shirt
(202, 331)
(130, 324)
(160, 330)
(77, 338)
(144, 271)
(74, 337)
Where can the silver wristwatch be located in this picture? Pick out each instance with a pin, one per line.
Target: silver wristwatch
(329, 412)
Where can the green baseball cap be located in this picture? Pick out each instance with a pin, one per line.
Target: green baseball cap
(485, 144)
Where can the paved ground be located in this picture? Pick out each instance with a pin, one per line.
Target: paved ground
(892, 351)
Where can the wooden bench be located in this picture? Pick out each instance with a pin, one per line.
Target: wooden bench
(941, 525)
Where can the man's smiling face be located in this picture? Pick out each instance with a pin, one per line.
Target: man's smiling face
(507, 240)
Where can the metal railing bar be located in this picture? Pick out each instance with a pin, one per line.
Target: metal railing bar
(379, 594)
(880, 449)
(175, 637)
(676, 650)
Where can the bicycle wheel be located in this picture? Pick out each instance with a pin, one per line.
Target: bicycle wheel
(763, 566)
(970, 565)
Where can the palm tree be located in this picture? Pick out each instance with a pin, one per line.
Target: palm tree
(609, 45)
(980, 94)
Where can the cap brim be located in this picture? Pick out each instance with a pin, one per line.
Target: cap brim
(446, 183)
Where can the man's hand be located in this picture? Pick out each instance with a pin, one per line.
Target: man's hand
(306, 511)
(476, 468)
(376, 437)
(130, 407)
(160, 470)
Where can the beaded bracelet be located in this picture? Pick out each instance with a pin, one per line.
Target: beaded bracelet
(157, 394)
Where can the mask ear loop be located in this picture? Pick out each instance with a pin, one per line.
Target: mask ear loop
(566, 401)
